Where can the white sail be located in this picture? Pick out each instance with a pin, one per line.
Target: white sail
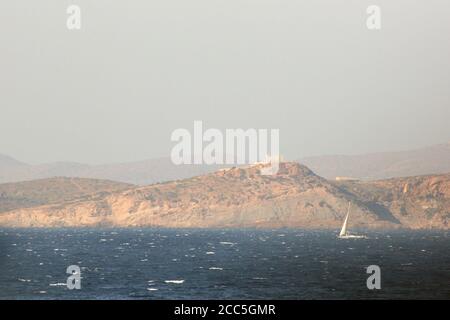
(344, 226)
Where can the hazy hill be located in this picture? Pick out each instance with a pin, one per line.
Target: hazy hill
(55, 190)
(139, 173)
(9, 162)
(429, 160)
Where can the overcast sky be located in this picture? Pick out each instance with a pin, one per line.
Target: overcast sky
(137, 70)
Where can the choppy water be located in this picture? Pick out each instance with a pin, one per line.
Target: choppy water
(221, 264)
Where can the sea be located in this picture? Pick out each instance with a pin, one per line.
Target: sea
(222, 264)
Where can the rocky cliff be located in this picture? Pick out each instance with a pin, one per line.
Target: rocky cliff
(34, 193)
(242, 197)
(416, 202)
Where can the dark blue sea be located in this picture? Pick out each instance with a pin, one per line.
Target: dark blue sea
(222, 264)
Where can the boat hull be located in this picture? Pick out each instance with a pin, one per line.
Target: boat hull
(351, 236)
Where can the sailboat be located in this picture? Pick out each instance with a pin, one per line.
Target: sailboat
(344, 233)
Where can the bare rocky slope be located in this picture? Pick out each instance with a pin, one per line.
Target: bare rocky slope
(242, 197)
(54, 190)
(416, 202)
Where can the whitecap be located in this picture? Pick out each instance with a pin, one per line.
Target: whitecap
(174, 281)
(215, 268)
(58, 284)
(152, 289)
(210, 252)
(227, 243)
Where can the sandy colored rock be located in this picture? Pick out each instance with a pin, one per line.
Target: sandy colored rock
(242, 197)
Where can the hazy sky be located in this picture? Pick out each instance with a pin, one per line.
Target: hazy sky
(137, 70)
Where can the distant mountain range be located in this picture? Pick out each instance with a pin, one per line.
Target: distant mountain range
(139, 173)
(429, 160)
(235, 197)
